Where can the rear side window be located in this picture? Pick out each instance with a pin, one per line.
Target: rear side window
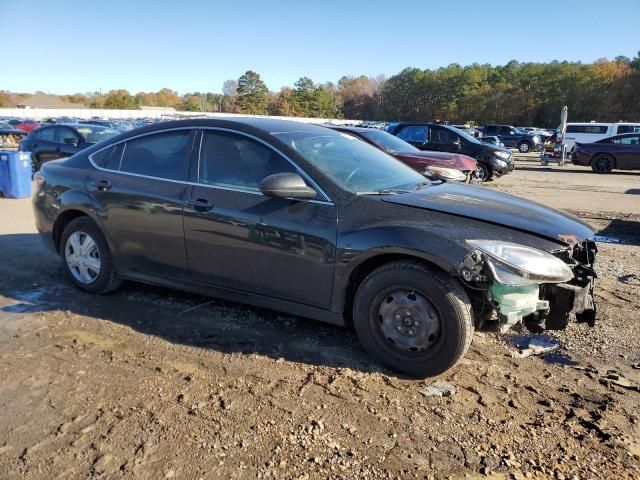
(110, 157)
(595, 129)
(47, 134)
(491, 129)
(161, 155)
(414, 133)
(235, 161)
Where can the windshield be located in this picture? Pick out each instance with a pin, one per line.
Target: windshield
(95, 133)
(465, 135)
(389, 143)
(351, 163)
(5, 125)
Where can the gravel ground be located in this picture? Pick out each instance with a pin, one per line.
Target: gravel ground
(154, 383)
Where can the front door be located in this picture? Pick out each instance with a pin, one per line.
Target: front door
(238, 238)
(443, 140)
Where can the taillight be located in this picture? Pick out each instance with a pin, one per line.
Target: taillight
(38, 177)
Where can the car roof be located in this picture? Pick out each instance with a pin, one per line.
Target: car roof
(265, 125)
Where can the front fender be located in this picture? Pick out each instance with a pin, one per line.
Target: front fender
(357, 248)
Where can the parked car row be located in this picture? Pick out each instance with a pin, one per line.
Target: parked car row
(492, 161)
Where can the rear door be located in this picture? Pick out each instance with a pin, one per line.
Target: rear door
(237, 238)
(140, 186)
(44, 145)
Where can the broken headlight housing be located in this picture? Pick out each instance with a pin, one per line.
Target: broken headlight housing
(514, 264)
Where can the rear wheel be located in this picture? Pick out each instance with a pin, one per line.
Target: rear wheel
(412, 318)
(524, 147)
(602, 163)
(87, 257)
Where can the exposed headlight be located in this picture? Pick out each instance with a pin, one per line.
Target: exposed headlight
(513, 264)
(501, 154)
(446, 173)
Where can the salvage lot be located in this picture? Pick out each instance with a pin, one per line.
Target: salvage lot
(153, 383)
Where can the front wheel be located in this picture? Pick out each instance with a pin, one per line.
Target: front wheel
(482, 173)
(524, 147)
(87, 258)
(413, 318)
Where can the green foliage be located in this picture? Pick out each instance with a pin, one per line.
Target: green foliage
(515, 93)
(119, 99)
(252, 94)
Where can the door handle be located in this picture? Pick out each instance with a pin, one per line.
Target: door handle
(102, 185)
(200, 204)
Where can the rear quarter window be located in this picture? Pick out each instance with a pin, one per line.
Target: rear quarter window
(109, 157)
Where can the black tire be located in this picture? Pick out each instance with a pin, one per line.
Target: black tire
(483, 173)
(524, 147)
(443, 292)
(602, 163)
(107, 280)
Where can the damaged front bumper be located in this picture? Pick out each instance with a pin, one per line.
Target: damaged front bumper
(540, 306)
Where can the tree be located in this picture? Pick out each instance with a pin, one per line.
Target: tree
(119, 99)
(252, 94)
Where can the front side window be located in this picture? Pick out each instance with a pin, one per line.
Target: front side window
(415, 133)
(351, 164)
(161, 155)
(442, 136)
(235, 161)
(628, 129)
(66, 135)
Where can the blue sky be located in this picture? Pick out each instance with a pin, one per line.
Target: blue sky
(188, 45)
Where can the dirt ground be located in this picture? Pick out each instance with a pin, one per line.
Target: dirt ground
(154, 383)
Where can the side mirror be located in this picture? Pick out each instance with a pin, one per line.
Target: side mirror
(458, 144)
(71, 141)
(286, 185)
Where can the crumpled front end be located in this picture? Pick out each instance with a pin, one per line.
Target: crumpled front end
(543, 292)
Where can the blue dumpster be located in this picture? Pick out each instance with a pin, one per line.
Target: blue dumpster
(15, 174)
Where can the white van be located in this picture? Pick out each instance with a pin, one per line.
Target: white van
(592, 132)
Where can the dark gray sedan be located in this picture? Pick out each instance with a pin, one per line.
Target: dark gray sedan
(314, 222)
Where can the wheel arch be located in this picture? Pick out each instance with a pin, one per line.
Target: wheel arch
(70, 214)
(368, 265)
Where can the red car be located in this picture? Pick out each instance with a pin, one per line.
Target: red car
(27, 125)
(446, 166)
(621, 152)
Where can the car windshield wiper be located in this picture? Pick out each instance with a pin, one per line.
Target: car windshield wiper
(421, 184)
(385, 191)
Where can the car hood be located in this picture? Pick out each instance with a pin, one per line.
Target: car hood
(484, 204)
(441, 159)
(12, 131)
